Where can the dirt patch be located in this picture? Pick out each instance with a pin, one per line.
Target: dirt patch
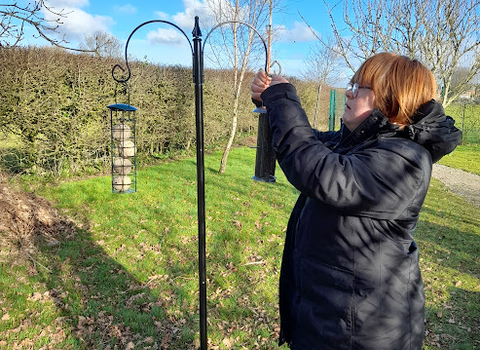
(28, 221)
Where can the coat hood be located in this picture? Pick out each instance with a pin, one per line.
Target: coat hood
(433, 130)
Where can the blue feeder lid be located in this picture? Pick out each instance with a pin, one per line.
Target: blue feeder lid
(121, 107)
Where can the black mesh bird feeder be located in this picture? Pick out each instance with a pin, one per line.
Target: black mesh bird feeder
(123, 148)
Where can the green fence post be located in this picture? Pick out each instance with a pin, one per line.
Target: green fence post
(331, 115)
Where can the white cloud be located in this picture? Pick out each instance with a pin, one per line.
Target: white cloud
(165, 36)
(204, 10)
(299, 33)
(128, 9)
(193, 8)
(76, 23)
(162, 15)
(201, 8)
(186, 21)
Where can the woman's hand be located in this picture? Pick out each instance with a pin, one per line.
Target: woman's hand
(262, 81)
(259, 84)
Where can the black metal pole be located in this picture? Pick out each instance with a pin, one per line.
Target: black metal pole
(198, 80)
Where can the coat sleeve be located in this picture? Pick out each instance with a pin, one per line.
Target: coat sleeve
(325, 136)
(376, 181)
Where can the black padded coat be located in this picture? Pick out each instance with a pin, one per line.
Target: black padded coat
(350, 277)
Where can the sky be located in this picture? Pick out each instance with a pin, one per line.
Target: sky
(163, 44)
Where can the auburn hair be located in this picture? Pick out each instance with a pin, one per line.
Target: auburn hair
(400, 84)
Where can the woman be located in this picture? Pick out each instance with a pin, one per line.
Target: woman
(350, 277)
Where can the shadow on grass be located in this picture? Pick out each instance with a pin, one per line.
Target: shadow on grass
(456, 324)
(452, 246)
(104, 306)
(449, 243)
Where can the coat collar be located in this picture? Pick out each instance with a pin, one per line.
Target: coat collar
(375, 123)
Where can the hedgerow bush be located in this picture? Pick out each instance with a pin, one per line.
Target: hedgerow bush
(54, 120)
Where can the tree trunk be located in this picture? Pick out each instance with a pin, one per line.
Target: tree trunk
(233, 130)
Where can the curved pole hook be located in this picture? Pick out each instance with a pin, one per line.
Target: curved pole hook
(248, 25)
(124, 80)
(279, 67)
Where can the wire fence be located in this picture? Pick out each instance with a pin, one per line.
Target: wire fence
(466, 115)
(467, 119)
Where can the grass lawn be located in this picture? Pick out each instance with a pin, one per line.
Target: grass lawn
(465, 157)
(130, 278)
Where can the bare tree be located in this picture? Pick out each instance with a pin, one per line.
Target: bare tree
(236, 47)
(14, 18)
(444, 35)
(459, 77)
(102, 44)
(322, 67)
(322, 64)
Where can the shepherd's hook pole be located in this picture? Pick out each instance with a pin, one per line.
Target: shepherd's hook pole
(197, 55)
(198, 80)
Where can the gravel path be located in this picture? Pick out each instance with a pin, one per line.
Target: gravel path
(460, 182)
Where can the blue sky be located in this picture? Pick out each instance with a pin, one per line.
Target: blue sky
(161, 43)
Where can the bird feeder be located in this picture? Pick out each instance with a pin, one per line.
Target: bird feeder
(123, 148)
(265, 160)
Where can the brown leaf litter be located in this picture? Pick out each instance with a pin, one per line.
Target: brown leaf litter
(28, 221)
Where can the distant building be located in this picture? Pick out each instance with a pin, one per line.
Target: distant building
(468, 94)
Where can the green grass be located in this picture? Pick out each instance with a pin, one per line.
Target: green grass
(465, 157)
(467, 119)
(130, 274)
(449, 237)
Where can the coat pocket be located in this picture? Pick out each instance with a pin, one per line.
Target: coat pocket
(324, 310)
(325, 281)
(328, 289)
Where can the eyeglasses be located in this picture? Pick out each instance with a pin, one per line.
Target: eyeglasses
(353, 89)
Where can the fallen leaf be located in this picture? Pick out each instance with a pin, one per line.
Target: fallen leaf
(166, 341)
(148, 340)
(5, 317)
(228, 342)
(36, 296)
